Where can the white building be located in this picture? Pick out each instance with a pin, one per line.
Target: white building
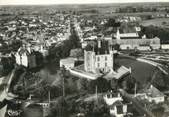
(25, 57)
(115, 102)
(68, 63)
(154, 95)
(125, 35)
(111, 98)
(165, 46)
(98, 62)
(132, 41)
(118, 109)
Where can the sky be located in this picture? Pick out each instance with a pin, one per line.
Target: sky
(46, 2)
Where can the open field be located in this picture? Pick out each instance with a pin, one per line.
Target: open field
(160, 22)
(103, 9)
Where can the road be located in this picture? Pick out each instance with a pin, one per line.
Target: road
(4, 91)
(137, 104)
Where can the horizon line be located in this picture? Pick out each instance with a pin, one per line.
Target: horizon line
(49, 4)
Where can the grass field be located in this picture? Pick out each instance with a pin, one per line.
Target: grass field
(156, 22)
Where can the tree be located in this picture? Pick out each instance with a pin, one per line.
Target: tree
(112, 23)
(159, 80)
(164, 23)
(116, 47)
(93, 109)
(89, 48)
(135, 53)
(131, 82)
(39, 58)
(8, 64)
(82, 84)
(33, 109)
(59, 109)
(102, 85)
(76, 53)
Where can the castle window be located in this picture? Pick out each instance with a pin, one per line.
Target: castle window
(105, 58)
(98, 58)
(105, 64)
(98, 65)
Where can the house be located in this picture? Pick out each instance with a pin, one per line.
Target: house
(25, 57)
(165, 46)
(118, 109)
(111, 98)
(119, 35)
(132, 41)
(154, 95)
(68, 63)
(115, 102)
